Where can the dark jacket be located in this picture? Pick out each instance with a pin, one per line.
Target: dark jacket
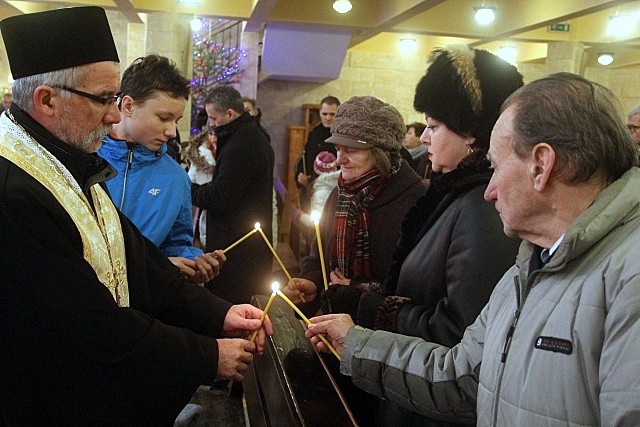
(68, 354)
(452, 253)
(239, 195)
(314, 145)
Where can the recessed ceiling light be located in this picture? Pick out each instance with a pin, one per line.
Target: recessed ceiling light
(508, 53)
(342, 6)
(408, 45)
(621, 25)
(189, 2)
(605, 58)
(485, 15)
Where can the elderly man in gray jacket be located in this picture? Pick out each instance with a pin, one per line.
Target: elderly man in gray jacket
(557, 342)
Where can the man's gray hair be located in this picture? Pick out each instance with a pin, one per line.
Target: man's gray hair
(225, 98)
(581, 120)
(634, 112)
(23, 88)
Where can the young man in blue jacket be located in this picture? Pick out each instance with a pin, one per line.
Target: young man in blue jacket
(151, 189)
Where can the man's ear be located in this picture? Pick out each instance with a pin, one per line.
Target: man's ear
(45, 100)
(543, 160)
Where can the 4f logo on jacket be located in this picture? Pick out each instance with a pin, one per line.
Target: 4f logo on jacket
(154, 191)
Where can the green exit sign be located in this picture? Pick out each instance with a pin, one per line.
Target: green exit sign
(559, 28)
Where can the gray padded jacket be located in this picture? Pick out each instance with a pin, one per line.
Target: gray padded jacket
(558, 346)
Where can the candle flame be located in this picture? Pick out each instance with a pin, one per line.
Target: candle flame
(315, 216)
(275, 287)
(257, 226)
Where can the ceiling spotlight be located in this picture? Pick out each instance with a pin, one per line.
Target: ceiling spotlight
(408, 45)
(342, 6)
(508, 53)
(621, 25)
(196, 25)
(605, 58)
(485, 15)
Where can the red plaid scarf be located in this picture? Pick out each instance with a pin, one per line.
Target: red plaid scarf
(349, 250)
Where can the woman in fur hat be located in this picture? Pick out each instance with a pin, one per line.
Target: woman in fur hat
(362, 217)
(453, 250)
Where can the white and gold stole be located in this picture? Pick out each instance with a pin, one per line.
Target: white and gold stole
(102, 240)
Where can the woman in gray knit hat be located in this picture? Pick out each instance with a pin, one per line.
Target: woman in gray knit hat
(361, 220)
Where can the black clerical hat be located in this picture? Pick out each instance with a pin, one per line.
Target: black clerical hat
(37, 43)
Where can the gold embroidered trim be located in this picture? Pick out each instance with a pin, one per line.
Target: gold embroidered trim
(101, 232)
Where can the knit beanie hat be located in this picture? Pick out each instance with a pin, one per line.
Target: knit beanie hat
(325, 162)
(365, 122)
(464, 88)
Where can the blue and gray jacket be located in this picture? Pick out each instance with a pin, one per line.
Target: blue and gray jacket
(154, 192)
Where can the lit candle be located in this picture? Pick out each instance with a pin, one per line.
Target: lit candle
(315, 217)
(240, 240)
(304, 163)
(308, 322)
(274, 287)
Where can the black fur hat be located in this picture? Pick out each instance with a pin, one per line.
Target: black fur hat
(464, 88)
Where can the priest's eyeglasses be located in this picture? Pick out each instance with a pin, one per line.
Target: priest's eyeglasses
(108, 101)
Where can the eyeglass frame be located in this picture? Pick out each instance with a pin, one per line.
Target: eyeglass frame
(110, 100)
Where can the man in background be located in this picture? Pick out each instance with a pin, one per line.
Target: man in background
(7, 98)
(239, 194)
(316, 141)
(633, 124)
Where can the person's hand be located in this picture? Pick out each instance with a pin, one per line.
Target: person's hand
(303, 179)
(337, 278)
(296, 214)
(298, 287)
(207, 267)
(234, 356)
(241, 320)
(187, 267)
(333, 326)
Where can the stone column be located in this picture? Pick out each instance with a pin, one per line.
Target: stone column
(565, 56)
(250, 43)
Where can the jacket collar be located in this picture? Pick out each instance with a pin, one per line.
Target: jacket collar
(119, 149)
(225, 131)
(614, 206)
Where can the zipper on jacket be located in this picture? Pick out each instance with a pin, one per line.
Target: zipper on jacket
(512, 328)
(126, 175)
(505, 350)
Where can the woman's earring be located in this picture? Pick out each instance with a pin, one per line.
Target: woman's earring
(469, 150)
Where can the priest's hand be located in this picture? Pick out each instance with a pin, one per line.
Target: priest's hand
(241, 320)
(298, 288)
(234, 356)
(333, 326)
